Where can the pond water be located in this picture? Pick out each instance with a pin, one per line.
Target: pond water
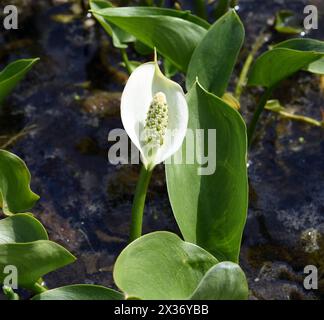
(58, 121)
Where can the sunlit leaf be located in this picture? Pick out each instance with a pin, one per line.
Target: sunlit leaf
(224, 281)
(211, 208)
(160, 265)
(21, 228)
(33, 259)
(214, 58)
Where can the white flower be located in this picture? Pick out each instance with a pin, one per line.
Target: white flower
(154, 113)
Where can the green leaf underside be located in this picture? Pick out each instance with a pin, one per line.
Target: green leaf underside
(224, 281)
(12, 75)
(21, 228)
(212, 212)
(33, 259)
(224, 39)
(175, 34)
(15, 193)
(160, 265)
(285, 59)
(80, 292)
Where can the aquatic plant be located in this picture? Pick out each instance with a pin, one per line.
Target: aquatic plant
(210, 207)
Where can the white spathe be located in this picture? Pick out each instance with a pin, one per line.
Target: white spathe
(143, 84)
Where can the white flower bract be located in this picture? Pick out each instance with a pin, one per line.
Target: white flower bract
(154, 113)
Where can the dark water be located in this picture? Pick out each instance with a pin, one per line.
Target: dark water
(70, 101)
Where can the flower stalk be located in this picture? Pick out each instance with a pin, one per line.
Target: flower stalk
(139, 203)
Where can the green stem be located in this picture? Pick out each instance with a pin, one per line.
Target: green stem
(38, 288)
(126, 61)
(139, 203)
(9, 293)
(222, 8)
(234, 3)
(200, 8)
(247, 65)
(300, 118)
(263, 101)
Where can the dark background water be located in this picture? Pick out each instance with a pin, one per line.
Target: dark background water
(58, 120)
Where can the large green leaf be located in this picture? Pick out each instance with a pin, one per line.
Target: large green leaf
(284, 60)
(120, 37)
(307, 45)
(12, 74)
(175, 34)
(15, 193)
(80, 292)
(211, 209)
(214, 59)
(160, 265)
(21, 228)
(224, 281)
(33, 259)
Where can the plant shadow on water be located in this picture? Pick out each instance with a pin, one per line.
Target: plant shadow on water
(71, 100)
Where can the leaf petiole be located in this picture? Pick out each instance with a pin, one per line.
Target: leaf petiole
(263, 101)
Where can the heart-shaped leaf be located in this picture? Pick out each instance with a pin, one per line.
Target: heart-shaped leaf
(33, 260)
(284, 60)
(21, 228)
(12, 74)
(15, 193)
(224, 281)
(174, 33)
(223, 39)
(210, 206)
(80, 292)
(160, 265)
